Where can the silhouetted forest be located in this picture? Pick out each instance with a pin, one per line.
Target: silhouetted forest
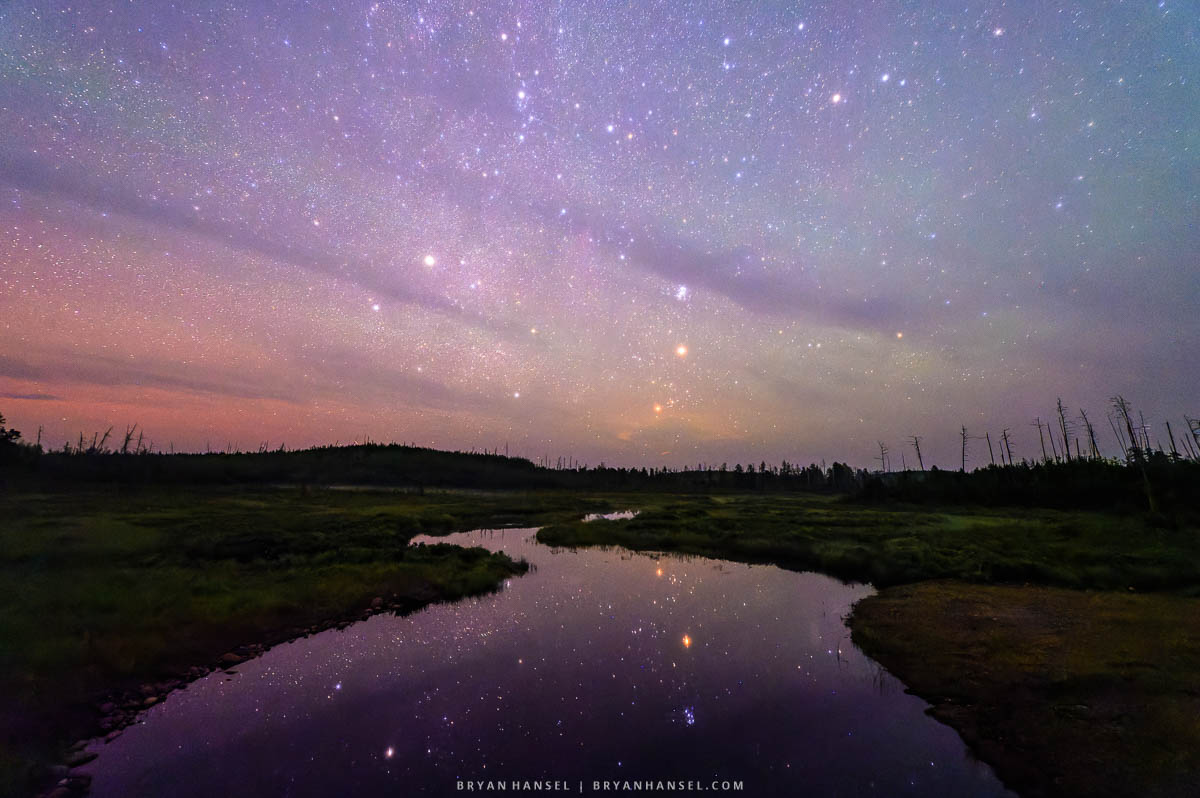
(1146, 478)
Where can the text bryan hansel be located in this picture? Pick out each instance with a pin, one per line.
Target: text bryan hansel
(597, 786)
(515, 786)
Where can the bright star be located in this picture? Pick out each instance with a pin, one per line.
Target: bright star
(681, 351)
(430, 260)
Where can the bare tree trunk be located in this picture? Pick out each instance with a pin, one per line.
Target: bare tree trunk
(991, 454)
(1123, 408)
(1041, 438)
(1091, 433)
(1066, 436)
(916, 442)
(964, 450)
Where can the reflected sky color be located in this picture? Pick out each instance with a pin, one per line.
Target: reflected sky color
(654, 232)
(593, 666)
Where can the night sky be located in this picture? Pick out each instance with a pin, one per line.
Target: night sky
(638, 232)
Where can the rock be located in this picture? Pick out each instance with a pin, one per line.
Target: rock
(377, 603)
(232, 659)
(59, 772)
(150, 701)
(148, 689)
(112, 735)
(80, 758)
(107, 708)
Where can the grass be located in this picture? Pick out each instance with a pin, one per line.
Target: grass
(1064, 692)
(897, 545)
(104, 589)
(101, 590)
(1026, 629)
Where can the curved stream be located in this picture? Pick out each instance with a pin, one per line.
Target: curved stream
(599, 665)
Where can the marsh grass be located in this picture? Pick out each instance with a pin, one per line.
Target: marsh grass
(895, 545)
(1065, 692)
(104, 589)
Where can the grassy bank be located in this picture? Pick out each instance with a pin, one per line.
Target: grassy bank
(892, 545)
(1064, 692)
(1091, 691)
(103, 590)
(117, 588)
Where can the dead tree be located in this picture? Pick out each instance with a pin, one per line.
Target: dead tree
(128, 438)
(1193, 425)
(1138, 456)
(964, 450)
(883, 456)
(1187, 440)
(1145, 429)
(1091, 433)
(991, 454)
(1171, 437)
(1066, 436)
(1118, 435)
(1041, 438)
(916, 442)
(1122, 407)
(1007, 445)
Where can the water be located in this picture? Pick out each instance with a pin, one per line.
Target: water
(596, 666)
(621, 515)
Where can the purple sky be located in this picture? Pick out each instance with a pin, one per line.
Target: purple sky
(642, 233)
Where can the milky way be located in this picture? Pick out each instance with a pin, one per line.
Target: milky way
(633, 232)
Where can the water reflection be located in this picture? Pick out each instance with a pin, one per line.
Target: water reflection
(601, 665)
(622, 515)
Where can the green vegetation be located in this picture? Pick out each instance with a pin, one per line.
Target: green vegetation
(103, 590)
(127, 578)
(893, 545)
(1064, 692)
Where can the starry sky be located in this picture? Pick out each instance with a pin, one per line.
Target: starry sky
(642, 232)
